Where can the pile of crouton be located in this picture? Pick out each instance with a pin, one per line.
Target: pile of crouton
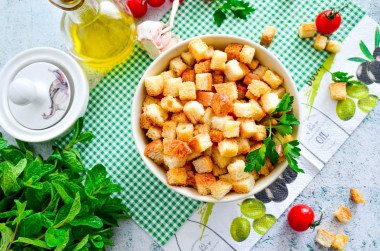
(202, 116)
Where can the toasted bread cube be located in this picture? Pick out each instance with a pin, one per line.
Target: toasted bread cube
(188, 58)
(207, 117)
(221, 104)
(226, 177)
(320, 43)
(220, 188)
(228, 147)
(208, 151)
(333, 46)
(338, 91)
(245, 68)
(166, 75)
(247, 128)
(259, 114)
(156, 114)
(177, 65)
(176, 176)
(218, 61)
(244, 186)
(203, 164)
(324, 238)
(307, 30)
(154, 85)
(236, 170)
(253, 65)
(241, 90)
(217, 79)
(187, 91)
(249, 110)
(203, 82)
(246, 55)
(233, 51)
(233, 71)
(229, 89)
(201, 129)
(194, 111)
(243, 146)
(260, 71)
(169, 129)
(154, 133)
(145, 121)
(258, 88)
(179, 117)
(188, 76)
(203, 181)
(273, 79)
(356, 195)
(217, 171)
(171, 104)
(190, 181)
(154, 150)
(268, 35)
(173, 161)
(171, 87)
(269, 102)
(184, 131)
(231, 129)
(204, 97)
(218, 122)
(255, 175)
(343, 214)
(282, 140)
(260, 133)
(193, 156)
(219, 160)
(339, 241)
(203, 67)
(216, 136)
(238, 157)
(249, 77)
(198, 49)
(150, 100)
(280, 91)
(267, 168)
(210, 52)
(176, 148)
(200, 142)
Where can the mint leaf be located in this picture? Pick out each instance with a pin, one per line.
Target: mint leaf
(65, 242)
(71, 161)
(85, 137)
(30, 226)
(81, 244)
(97, 240)
(21, 213)
(8, 182)
(55, 237)
(62, 192)
(88, 220)
(6, 236)
(3, 142)
(67, 214)
(34, 242)
(12, 154)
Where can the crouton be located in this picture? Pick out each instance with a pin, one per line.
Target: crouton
(249, 110)
(243, 146)
(200, 142)
(324, 238)
(208, 151)
(238, 157)
(171, 104)
(343, 214)
(272, 79)
(247, 53)
(194, 111)
(220, 160)
(255, 175)
(245, 68)
(217, 171)
(203, 82)
(260, 71)
(236, 170)
(190, 181)
(338, 90)
(226, 177)
(166, 75)
(188, 58)
(228, 147)
(177, 65)
(280, 91)
(260, 133)
(150, 100)
(253, 65)
(188, 76)
(176, 148)
(156, 114)
(198, 49)
(267, 168)
(145, 121)
(179, 117)
(154, 150)
(268, 35)
(202, 67)
(269, 102)
(241, 90)
(218, 122)
(320, 43)
(154, 85)
(339, 241)
(203, 181)
(245, 185)
(201, 129)
(233, 71)
(333, 46)
(231, 129)
(184, 131)
(207, 117)
(210, 52)
(187, 91)
(154, 133)
(204, 97)
(221, 104)
(217, 77)
(169, 129)
(176, 176)
(171, 87)
(219, 189)
(228, 89)
(307, 30)
(249, 77)
(193, 156)
(356, 196)
(173, 161)
(203, 164)
(216, 136)
(218, 61)
(258, 88)
(249, 95)
(233, 51)
(247, 128)
(256, 145)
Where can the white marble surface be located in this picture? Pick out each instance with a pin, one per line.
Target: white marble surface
(30, 23)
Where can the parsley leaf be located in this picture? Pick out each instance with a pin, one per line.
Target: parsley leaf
(239, 9)
(219, 17)
(292, 151)
(256, 159)
(285, 104)
(344, 77)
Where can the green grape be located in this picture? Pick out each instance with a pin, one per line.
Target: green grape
(345, 109)
(240, 229)
(263, 224)
(253, 208)
(357, 91)
(366, 104)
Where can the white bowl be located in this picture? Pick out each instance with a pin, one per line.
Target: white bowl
(161, 64)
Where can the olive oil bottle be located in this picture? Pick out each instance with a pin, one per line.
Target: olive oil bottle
(100, 33)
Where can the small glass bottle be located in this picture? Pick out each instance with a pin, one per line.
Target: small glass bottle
(100, 33)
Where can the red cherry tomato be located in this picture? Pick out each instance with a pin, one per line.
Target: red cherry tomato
(179, 1)
(328, 21)
(156, 3)
(137, 7)
(301, 217)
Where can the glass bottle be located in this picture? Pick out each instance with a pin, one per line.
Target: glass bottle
(100, 33)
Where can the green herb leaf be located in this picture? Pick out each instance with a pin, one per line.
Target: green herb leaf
(97, 240)
(255, 159)
(8, 179)
(219, 17)
(3, 142)
(292, 151)
(67, 214)
(30, 226)
(34, 242)
(239, 9)
(55, 237)
(21, 213)
(365, 50)
(285, 104)
(6, 236)
(65, 242)
(82, 243)
(377, 37)
(271, 151)
(88, 220)
(71, 160)
(85, 137)
(356, 59)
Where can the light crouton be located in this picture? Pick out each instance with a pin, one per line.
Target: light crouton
(219, 160)
(320, 43)
(171, 104)
(207, 117)
(187, 91)
(217, 171)
(280, 91)
(176, 148)
(204, 98)
(154, 85)
(190, 181)
(307, 30)
(267, 168)
(228, 147)
(198, 49)
(339, 241)
(272, 79)
(145, 121)
(260, 71)
(226, 177)
(253, 65)
(269, 102)
(210, 52)
(249, 77)
(258, 88)
(188, 76)
(231, 129)
(193, 156)
(324, 238)
(203, 164)
(154, 150)
(247, 54)
(244, 186)
(217, 79)
(154, 133)
(173, 161)
(200, 142)
(356, 196)
(219, 189)
(238, 157)
(343, 214)
(203, 82)
(247, 128)
(249, 110)
(202, 67)
(233, 51)
(236, 170)
(184, 131)
(166, 75)
(156, 114)
(218, 61)
(260, 133)
(177, 65)
(171, 87)
(241, 90)
(243, 146)
(216, 136)
(179, 117)
(221, 104)
(268, 35)
(217, 122)
(188, 58)
(203, 181)
(255, 175)
(176, 176)
(201, 129)
(229, 89)
(169, 129)
(233, 71)
(333, 46)
(259, 114)
(150, 100)
(194, 111)
(338, 90)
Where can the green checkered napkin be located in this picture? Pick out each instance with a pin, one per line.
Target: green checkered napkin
(156, 208)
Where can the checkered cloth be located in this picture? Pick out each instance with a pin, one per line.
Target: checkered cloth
(156, 208)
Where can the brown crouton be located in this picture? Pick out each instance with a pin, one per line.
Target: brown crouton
(338, 90)
(218, 61)
(145, 121)
(156, 114)
(200, 142)
(203, 67)
(340, 241)
(179, 117)
(217, 171)
(247, 54)
(233, 51)
(221, 104)
(184, 131)
(188, 58)
(203, 181)
(258, 88)
(269, 102)
(249, 77)
(320, 43)
(268, 35)
(194, 111)
(207, 117)
(177, 65)
(154, 150)
(356, 196)
(169, 129)
(307, 30)
(204, 98)
(333, 46)
(324, 238)
(154, 85)
(236, 170)
(343, 214)
(171, 104)
(201, 129)
(173, 161)
(273, 79)
(229, 89)
(234, 71)
(216, 136)
(190, 181)
(176, 148)
(154, 133)
(253, 65)
(198, 49)
(203, 82)
(176, 176)
(203, 164)
(188, 76)
(219, 189)
(228, 147)
(244, 186)
(187, 91)
(171, 87)
(217, 79)
(231, 129)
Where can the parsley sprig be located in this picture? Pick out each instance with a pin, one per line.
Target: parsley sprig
(283, 125)
(239, 9)
(340, 76)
